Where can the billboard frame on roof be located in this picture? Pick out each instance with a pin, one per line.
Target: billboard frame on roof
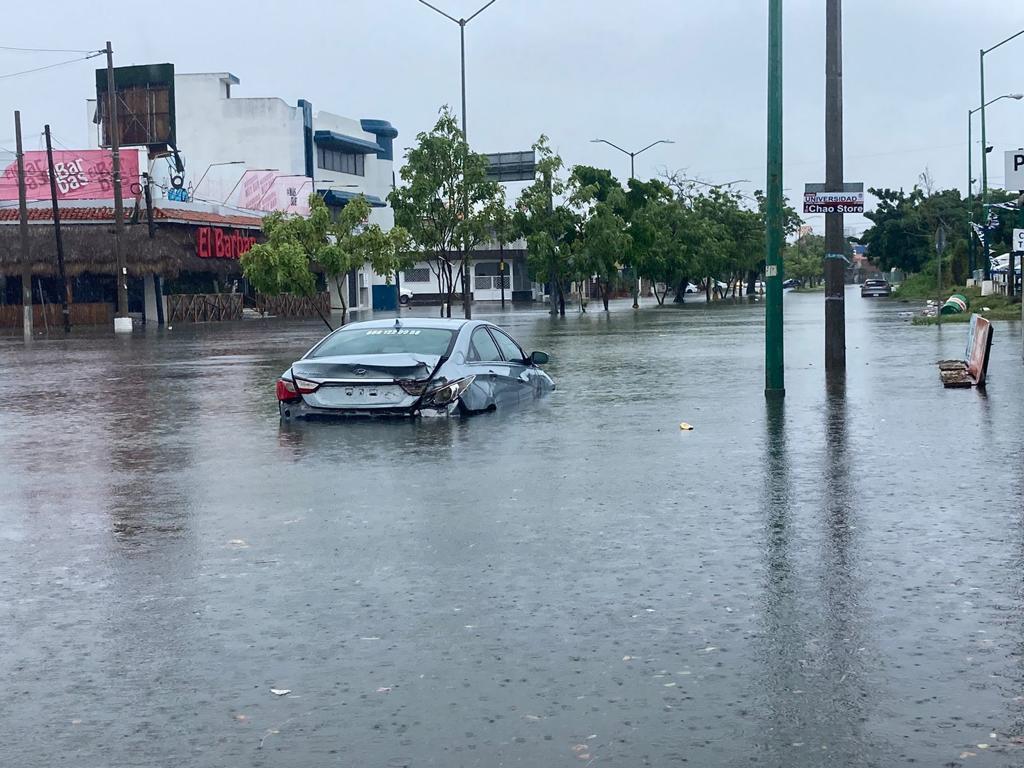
(145, 107)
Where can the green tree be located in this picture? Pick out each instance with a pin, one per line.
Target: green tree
(297, 248)
(673, 240)
(550, 230)
(804, 259)
(447, 204)
(904, 225)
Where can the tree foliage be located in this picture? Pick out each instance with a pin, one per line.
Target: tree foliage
(550, 230)
(297, 248)
(803, 259)
(446, 204)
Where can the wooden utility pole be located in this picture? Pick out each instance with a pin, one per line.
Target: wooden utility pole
(121, 321)
(26, 263)
(835, 242)
(56, 229)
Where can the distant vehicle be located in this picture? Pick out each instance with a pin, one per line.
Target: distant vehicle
(410, 368)
(875, 286)
(405, 296)
(791, 283)
(692, 288)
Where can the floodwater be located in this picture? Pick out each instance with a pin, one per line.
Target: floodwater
(834, 582)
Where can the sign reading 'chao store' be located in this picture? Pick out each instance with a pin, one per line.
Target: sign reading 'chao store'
(217, 243)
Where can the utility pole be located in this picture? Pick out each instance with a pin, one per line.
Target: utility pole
(26, 263)
(56, 229)
(122, 323)
(970, 202)
(835, 243)
(774, 374)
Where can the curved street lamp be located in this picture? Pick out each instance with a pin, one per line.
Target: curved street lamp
(632, 155)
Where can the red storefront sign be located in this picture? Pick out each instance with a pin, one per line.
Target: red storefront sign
(217, 243)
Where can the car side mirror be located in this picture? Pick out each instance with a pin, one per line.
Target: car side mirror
(539, 358)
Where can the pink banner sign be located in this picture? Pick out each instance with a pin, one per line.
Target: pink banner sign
(81, 174)
(271, 191)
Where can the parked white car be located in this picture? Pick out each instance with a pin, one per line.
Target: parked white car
(405, 296)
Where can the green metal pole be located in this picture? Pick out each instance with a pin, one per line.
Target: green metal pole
(984, 174)
(774, 378)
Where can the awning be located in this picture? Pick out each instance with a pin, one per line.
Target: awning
(343, 143)
(338, 198)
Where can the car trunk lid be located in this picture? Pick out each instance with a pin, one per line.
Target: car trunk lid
(359, 368)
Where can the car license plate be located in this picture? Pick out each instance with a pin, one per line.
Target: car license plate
(356, 396)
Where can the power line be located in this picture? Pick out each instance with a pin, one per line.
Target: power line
(44, 50)
(92, 55)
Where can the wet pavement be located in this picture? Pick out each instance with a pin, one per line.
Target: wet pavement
(834, 582)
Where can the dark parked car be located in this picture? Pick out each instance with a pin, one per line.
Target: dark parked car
(875, 286)
(412, 367)
(791, 283)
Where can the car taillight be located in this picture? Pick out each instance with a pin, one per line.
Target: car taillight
(412, 387)
(306, 387)
(286, 391)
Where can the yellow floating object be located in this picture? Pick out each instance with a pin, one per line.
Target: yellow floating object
(686, 427)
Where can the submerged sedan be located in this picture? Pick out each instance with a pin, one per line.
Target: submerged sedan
(412, 367)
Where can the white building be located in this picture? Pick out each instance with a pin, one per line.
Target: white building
(264, 154)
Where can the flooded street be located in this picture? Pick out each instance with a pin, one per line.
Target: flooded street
(838, 580)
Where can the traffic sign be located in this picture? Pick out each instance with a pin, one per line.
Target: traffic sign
(1014, 167)
(1018, 240)
(850, 200)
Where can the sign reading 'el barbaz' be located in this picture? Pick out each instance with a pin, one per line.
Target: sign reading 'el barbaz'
(850, 200)
(217, 243)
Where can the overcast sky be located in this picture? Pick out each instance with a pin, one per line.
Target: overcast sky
(693, 71)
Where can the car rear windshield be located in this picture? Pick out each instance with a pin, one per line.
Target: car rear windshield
(875, 282)
(386, 341)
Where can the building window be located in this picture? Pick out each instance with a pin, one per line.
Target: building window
(419, 275)
(342, 162)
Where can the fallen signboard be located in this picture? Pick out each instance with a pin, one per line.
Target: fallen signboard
(971, 371)
(850, 200)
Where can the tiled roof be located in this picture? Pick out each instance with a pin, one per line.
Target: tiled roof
(105, 213)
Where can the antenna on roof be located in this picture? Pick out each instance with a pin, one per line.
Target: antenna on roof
(398, 322)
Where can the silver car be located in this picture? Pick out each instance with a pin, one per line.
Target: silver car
(410, 367)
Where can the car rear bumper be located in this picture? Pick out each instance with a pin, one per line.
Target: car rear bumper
(300, 409)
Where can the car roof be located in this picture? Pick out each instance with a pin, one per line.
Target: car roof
(450, 324)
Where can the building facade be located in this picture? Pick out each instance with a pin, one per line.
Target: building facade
(263, 154)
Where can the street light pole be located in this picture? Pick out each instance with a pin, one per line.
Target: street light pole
(632, 175)
(970, 204)
(984, 147)
(970, 172)
(774, 373)
(466, 304)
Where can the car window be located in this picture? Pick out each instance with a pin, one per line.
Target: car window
(385, 341)
(482, 348)
(512, 351)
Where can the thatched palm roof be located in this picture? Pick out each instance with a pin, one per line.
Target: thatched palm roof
(88, 236)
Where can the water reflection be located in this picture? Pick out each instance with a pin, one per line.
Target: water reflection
(817, 697)
(780, 656)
